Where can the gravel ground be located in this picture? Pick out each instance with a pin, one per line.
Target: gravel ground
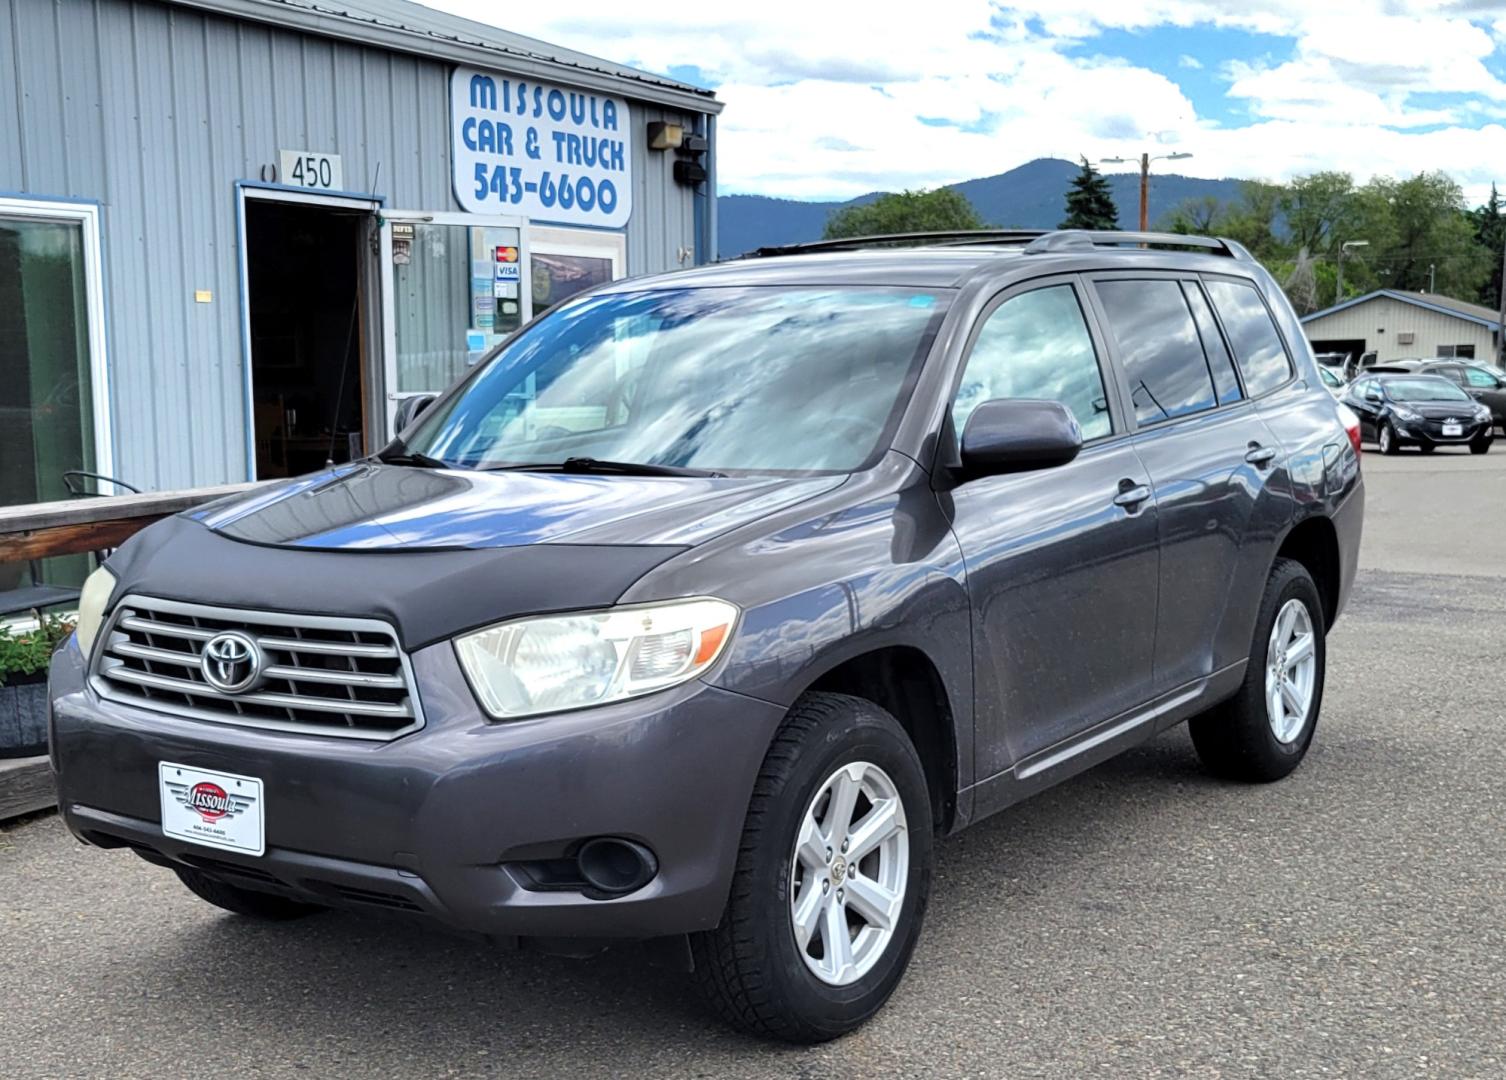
(1141, 920)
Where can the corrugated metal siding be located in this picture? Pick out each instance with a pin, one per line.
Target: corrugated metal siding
(156, 112)
(1382, 321)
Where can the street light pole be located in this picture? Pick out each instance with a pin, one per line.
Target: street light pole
(1145, 160)
(1338, 288)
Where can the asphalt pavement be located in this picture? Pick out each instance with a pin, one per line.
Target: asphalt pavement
(1141, 920)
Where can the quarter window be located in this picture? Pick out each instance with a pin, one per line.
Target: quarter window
(1257, 345)
(1036, 345)
(1160, 347)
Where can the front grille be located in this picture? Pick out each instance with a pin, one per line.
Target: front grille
(324, 675)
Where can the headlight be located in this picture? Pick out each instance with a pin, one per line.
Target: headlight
(1405, 414)
(542, 665)
(91, 607)
(1482, 413)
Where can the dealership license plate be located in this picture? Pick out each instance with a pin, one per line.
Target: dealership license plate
(220, 810)
(1454, 430)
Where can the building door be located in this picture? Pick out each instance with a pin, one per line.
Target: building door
(452, 288)
(305, 317)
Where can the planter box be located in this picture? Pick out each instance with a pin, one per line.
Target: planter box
(23, 716)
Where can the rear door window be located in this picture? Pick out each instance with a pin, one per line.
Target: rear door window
(1257, 345)
(1160, 348)
(1219, 361)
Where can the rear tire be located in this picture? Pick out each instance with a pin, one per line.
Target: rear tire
(1243, 738)
(753, 967)
(1386, 439)
(247, 902)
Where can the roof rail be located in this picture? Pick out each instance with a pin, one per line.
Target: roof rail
(1066, 240)
(950, 237)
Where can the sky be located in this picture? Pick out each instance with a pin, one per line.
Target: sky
(827, 99)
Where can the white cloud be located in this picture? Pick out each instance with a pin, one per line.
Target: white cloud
(826, 100)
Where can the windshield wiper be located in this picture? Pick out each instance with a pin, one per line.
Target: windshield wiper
(401, 455)
(601, 465)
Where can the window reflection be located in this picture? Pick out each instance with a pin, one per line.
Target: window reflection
(720, 379)
(1161, 351)
(1036, 345)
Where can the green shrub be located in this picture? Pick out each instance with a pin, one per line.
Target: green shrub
(29, 652)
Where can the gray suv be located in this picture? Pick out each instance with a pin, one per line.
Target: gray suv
(703, 606)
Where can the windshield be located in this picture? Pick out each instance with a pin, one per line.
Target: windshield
(717, 379)
(1424, 388)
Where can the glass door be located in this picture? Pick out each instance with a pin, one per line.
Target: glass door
(452, 288)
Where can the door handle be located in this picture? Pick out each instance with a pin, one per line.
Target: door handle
(1260, 455)
(1131, 497)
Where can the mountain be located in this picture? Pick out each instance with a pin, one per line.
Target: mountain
(1032, 196)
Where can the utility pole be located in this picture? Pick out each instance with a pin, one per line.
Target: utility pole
(1145, 160)
(1432, 268)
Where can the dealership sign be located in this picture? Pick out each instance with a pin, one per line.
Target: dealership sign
(545, 152)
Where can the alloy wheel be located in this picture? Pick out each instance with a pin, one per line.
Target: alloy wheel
(1291, 671)
(848, 873)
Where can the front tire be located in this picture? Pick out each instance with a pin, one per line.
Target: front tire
(1480, 446)
(1263, 732)
(832, 878)
(1386, 439)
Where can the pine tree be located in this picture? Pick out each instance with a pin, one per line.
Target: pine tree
(1490, 231)
(1089, 204)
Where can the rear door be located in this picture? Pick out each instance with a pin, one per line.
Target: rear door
(1210, 457)
(1062, 564)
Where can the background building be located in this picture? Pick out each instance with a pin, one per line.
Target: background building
(235, 233)
(1401, 325)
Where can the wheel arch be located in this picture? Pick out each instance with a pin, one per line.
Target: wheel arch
(1314, 542)
(904, 681)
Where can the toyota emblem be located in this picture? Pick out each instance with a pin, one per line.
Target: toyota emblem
(231, 662)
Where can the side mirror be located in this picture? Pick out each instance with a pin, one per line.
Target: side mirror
(408, 410)
(1373, 396)
(1018, 435)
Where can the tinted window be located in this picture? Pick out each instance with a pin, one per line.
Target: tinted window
(1257, 345)
(1452, 374)
(1476, 377)
(1423, 388)
(1163, 356)
(1036, 345)
(1213, 344)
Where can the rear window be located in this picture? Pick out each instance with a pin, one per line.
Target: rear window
(1257, 345)
(1160, 348)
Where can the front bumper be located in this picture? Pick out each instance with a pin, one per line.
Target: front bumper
(1431, 434)
(438, 822)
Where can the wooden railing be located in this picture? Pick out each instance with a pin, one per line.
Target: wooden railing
(42, 530)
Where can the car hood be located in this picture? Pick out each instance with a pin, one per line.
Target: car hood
(375, 507)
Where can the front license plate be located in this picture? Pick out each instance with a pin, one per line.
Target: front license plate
(220, 810)
(1453, 430)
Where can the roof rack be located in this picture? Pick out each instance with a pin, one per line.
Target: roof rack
(950, 238)
(1068, 240)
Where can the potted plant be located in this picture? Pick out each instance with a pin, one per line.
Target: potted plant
(24, 656)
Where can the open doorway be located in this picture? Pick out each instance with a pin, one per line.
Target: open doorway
(306, 317)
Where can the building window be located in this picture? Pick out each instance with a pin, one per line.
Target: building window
(1461, 352)
(53, 411)
(569, 261)
(51, 348)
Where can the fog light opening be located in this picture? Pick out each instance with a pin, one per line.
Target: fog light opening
(613, 867)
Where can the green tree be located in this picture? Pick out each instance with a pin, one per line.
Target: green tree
(1318, 210)
(1089, 204)
(1490, 234)
(1252, 220)
(1193, 217)
(1425, 233)
(942, 210)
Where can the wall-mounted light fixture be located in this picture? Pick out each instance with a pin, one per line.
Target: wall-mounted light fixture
(665, 135)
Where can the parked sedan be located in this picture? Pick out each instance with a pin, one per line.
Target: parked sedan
(1423, 410)
(1479, 381)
